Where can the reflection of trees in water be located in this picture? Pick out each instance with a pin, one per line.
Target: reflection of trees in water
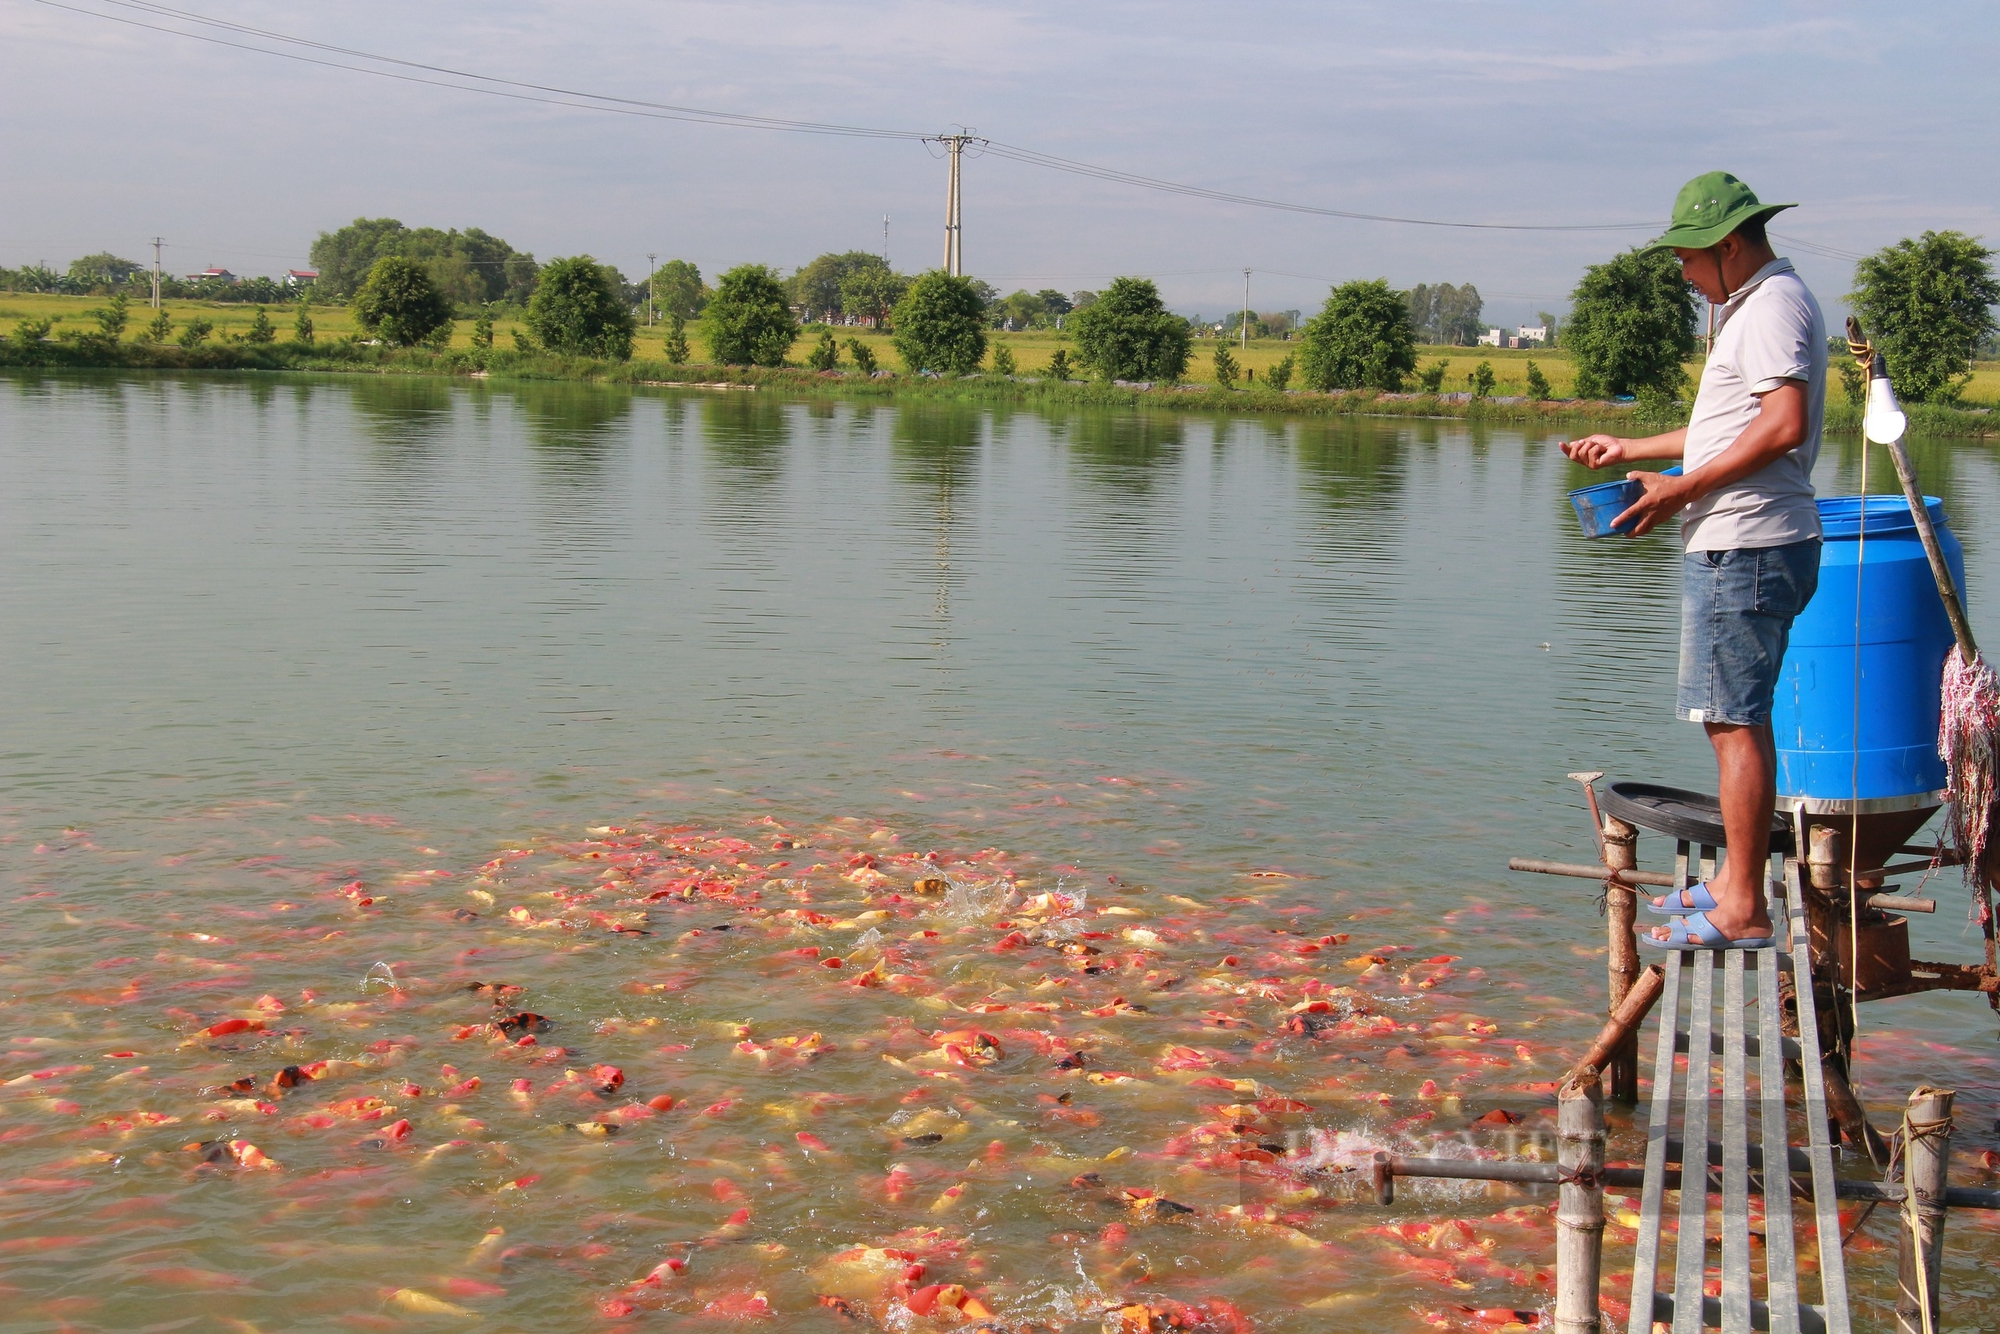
(1356, 469)
(935, 445)
(1122, 451)
(570, 427)
(404, 416)
(747, 436)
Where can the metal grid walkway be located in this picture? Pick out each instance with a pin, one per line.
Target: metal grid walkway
(1737, 1165)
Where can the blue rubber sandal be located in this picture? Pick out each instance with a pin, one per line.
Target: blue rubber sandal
(1696, 898)
(1702, 934)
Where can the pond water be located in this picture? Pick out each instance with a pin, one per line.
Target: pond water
(929, 846)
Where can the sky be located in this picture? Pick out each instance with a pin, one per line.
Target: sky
(1879, 121)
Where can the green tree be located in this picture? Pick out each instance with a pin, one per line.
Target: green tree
(1280, 375)
(1128, 333)
(1054, 303)
(471, 266)
(1058, 365)
(825, 355)
(677, 349)
(261, 329)
(941, 325)
(578, 309)
(1003, 360)
(871, 294)
(1538, 384)
(864, 356)
(522, 342)
(1551, 323)
(482, 329)
(1431, 378)
(399, 303)
(1442, 313)
(817, 287)
(749, 321)
(195, 334)
(1361, 339)
(1225, 366)
(1482, 380)
(100, 270)
(678, 289)
(1926, 304)
(111, 320)
(1631, 325)
(162, 324)
(302, 326)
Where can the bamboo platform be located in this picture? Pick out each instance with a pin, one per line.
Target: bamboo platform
(1744, 1122)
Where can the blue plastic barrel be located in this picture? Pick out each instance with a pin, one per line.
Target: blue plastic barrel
(1892, 763)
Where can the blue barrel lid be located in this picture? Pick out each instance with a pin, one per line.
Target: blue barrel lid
(1841, 516)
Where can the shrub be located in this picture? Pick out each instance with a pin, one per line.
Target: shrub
(825, 355)
(1853, 384)
(1361, 339)
(941, 325)
(1058, 365)
(1003, 359)
(748, 320)
(111, 320)
(1431, 378)
(195, 334)
(1225, 366)
(1482, 380)
(577, 310)
(864, 356)
(161, 325)
(399, 303)
(1538, 384)
(1127, 333)
(32, 331)
(1631, 325)
(677, 348)
(1279, 377)
(302, 327)
(482, 329)
(522, 342)
(261, 329)
(1927, 305)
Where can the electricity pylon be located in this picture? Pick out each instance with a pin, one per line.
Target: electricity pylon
(954, 146)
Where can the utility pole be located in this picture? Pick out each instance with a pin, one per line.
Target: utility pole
(157, 243)
(885, 240)
(1244, 344)
(652, 276)
(954, 145)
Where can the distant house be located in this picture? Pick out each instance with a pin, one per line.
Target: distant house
(1532, 335)
(301, 277)
(1493, 338)
(213, 271)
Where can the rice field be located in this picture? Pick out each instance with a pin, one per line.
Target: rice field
(1032, 349)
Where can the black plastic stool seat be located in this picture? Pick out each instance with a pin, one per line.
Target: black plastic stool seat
(1694, 817)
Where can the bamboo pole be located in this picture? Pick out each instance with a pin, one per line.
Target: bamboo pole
(1621, 853)
(1632, 1011)
(1579, 1208)
(1926, 1158)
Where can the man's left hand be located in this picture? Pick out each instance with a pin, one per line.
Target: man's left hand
(1664, 498)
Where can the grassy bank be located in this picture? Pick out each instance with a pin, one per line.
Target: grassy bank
(334, 351)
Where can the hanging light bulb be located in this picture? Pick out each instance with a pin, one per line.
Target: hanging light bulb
(1883, 420)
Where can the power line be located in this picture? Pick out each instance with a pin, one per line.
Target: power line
(522, 91)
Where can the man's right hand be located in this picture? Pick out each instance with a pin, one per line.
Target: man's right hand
(1597, 451)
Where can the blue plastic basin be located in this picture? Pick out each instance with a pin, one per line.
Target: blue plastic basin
(1596, 506)
(1875, 632)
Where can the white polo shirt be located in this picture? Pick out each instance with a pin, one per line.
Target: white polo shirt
(1770, 332)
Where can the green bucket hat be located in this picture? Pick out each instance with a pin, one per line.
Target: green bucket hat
(1710, 207)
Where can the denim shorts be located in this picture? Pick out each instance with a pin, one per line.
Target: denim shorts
(1736, 618)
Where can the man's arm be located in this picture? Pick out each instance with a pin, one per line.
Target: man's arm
(1602, 451)
(1778, 428)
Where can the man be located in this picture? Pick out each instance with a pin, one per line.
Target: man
(1749, 523)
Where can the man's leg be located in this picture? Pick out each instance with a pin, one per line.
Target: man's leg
(1747, 763)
